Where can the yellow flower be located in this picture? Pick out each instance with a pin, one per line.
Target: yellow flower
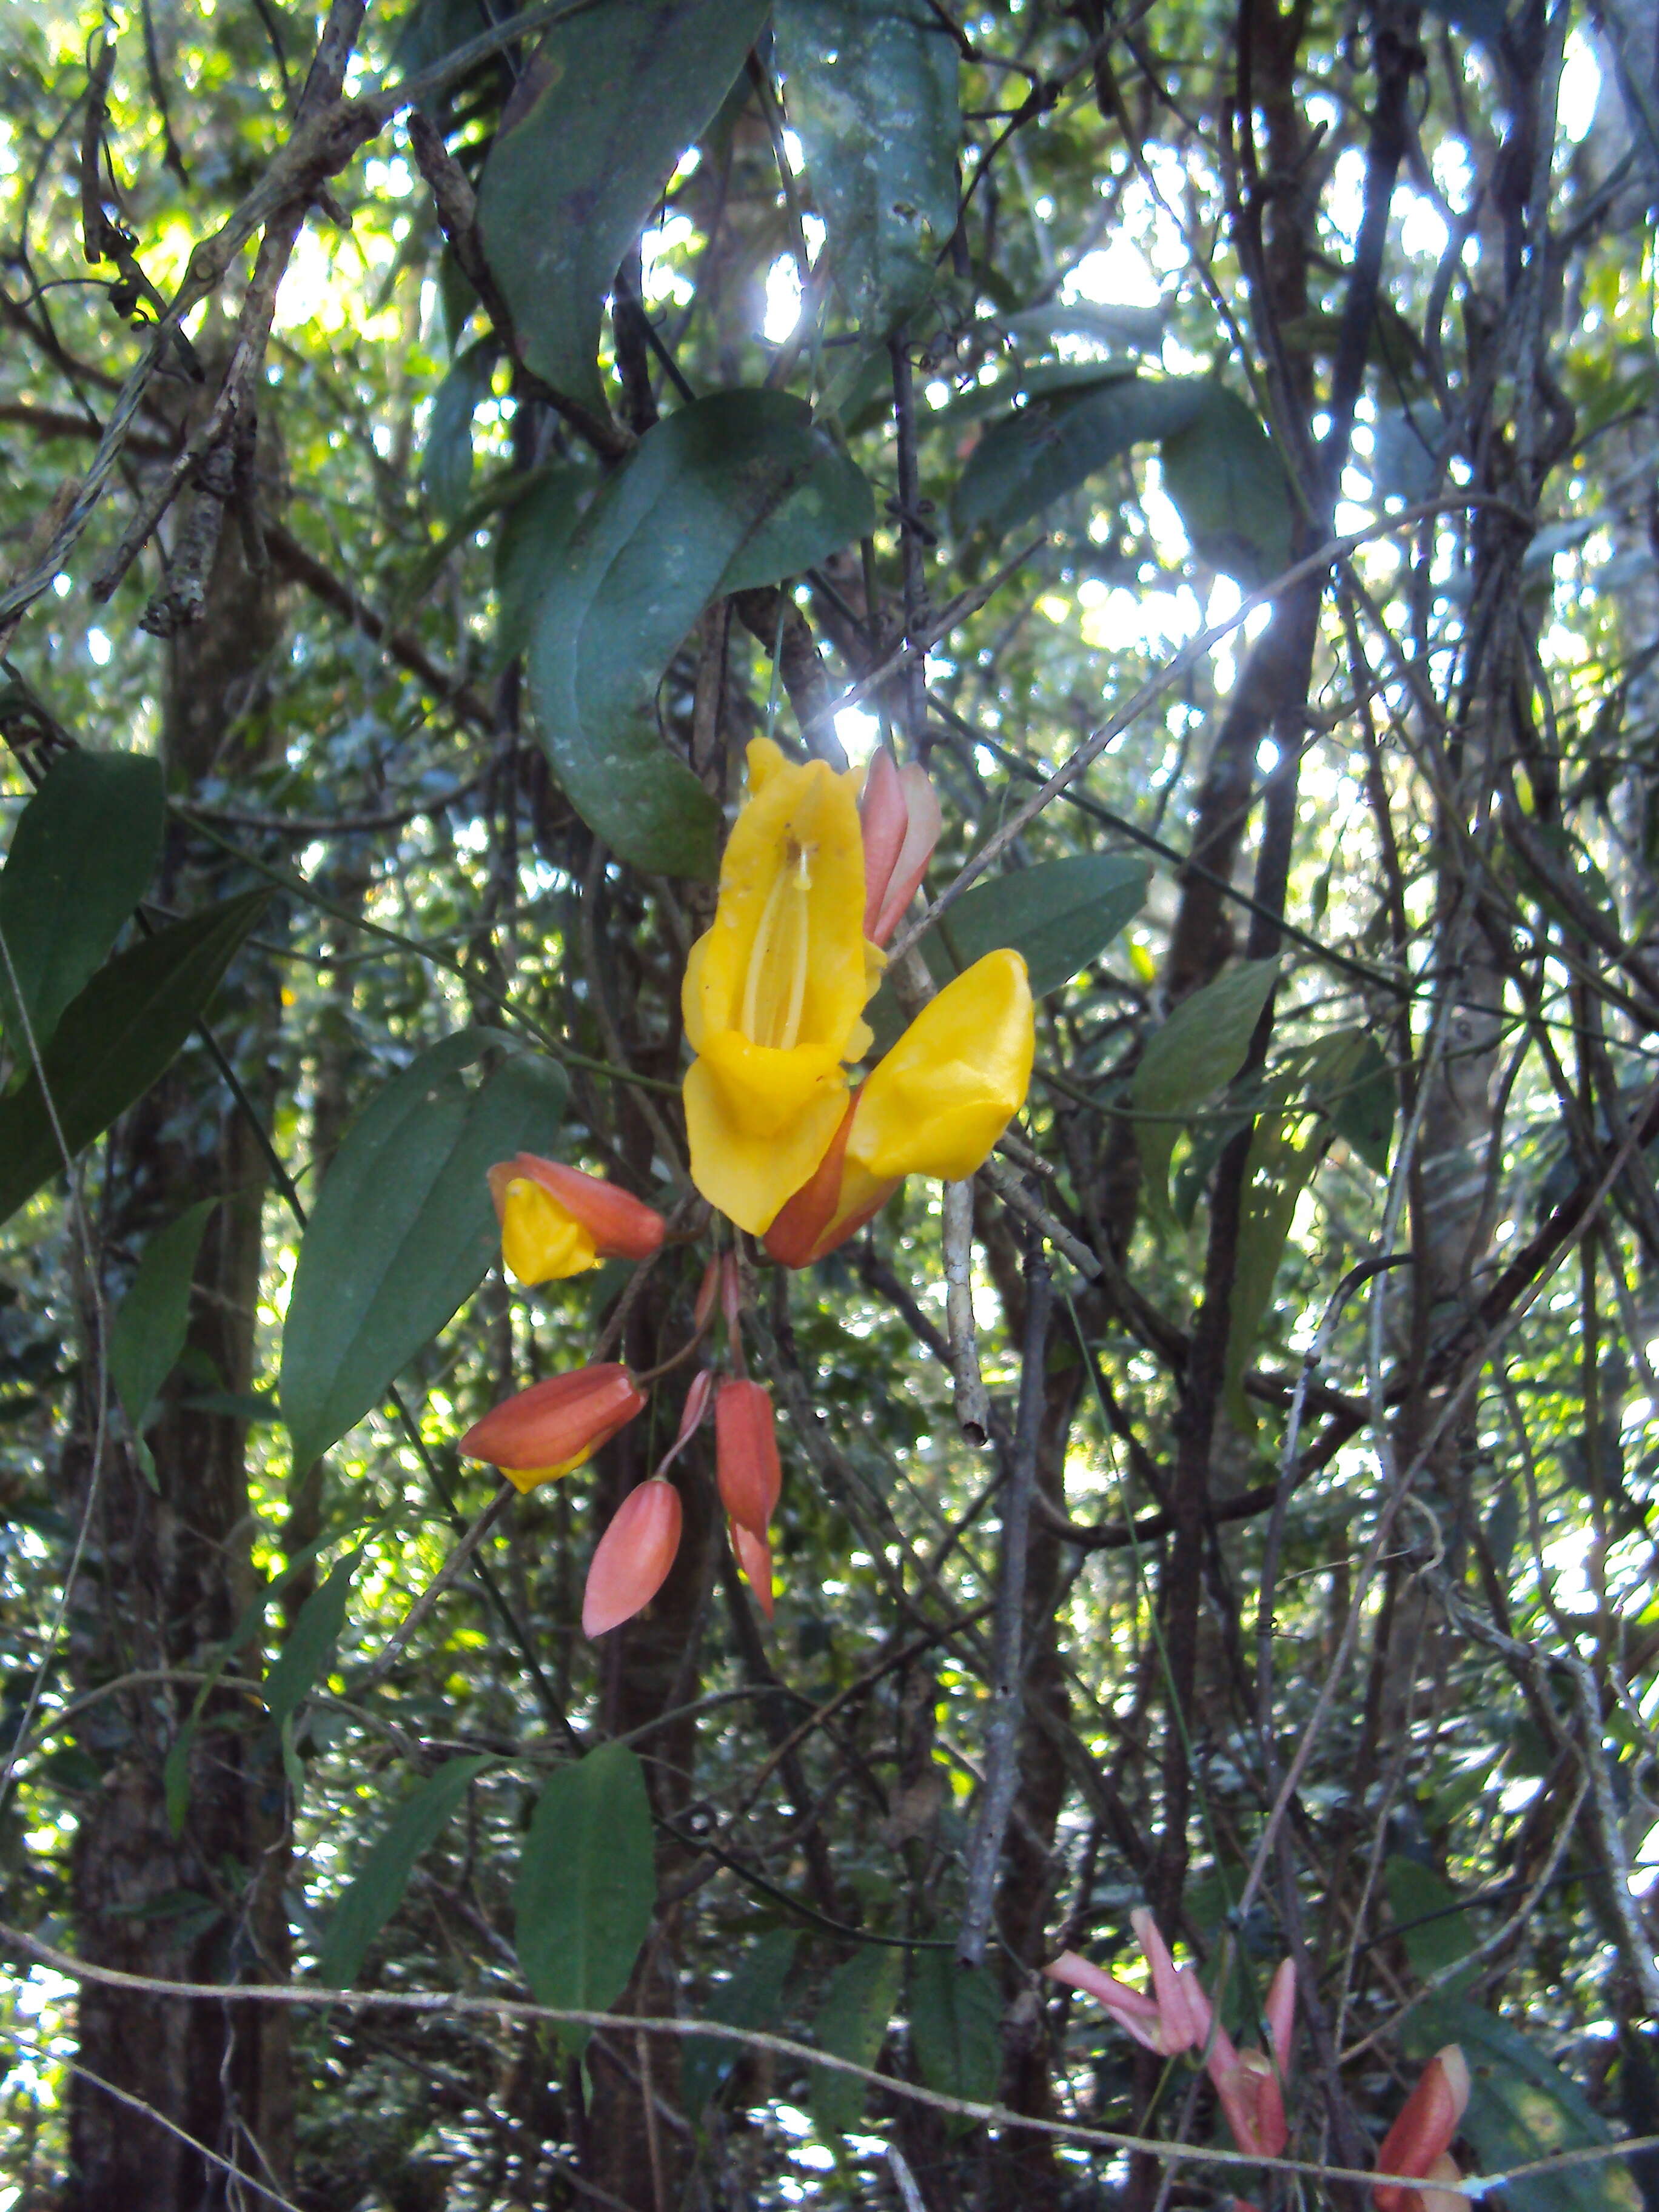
(935, 1106)
(775, 991)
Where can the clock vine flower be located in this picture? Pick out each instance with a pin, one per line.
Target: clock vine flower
(814, 881)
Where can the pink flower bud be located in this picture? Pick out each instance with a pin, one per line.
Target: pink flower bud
(901, 819)
(554, 1425)
(1420, 2139)
(632, 1560)
(746, 1455)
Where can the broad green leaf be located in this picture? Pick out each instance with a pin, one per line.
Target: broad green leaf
(148, 1333)
(1220, 467)
(832, 505)
(955, 2017)
(115, 1038)
(1276, 1173)
(609, 102)
(852, 2025)
(1060, 438)
(1356, 1086)
(1522, 2107)
(83, 852)
(534, 531)
(752, 1998)
(305, 1656)
(376, 1889)
(870, 87)
(447, 461)
(1431, 1919)
(587, 1885)
(653, 548)
(1061, 915)
(404, 1228)
(1196, 1053)
(1229, 486)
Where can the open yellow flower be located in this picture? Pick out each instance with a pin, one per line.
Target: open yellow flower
(934, 1106)
(775, 991)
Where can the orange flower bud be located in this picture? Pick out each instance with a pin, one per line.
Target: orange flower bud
(631, 1563)
(753, 1556)
(746, 1455)
(1422, 2136)
(554, 1425)
(556, 1221)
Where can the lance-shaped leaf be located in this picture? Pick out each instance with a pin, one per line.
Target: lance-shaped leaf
(955, 2018)
(852, 2024)
(82, 854)
(148, 1334)
(304, 1658)
(377, 1889)
(115, 1037)
(587, 1885)
(872, 92)
(1198, 1051)
(685, 514)
(752, 1998)
(1060, 915)
(611, 100)
(404, 1228)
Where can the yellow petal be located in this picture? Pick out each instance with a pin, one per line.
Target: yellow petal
(784, 962)
(748, 1173)
(948, 1089)
(523, 1479)
(541, 1243)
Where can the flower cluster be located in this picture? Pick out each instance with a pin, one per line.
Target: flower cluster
(813, 883)
(1249, 2084)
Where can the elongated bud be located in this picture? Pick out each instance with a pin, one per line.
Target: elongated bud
(556, 1221)
(754, 1556)
(691, 1413)
(1253, 2102)
(554, 1425)
(1281, 2012)
(900, 817)
(632, 1560)
(1423, 2134)
(746, 1455)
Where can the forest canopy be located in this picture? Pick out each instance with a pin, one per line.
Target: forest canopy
(828, 1245)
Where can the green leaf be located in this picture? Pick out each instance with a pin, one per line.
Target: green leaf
(148, 1333)
(609, 102)
(534, 531)
(404, 1228)
(446, 462)
(872, 92)
(1356, 1086)
(1276, 1173)
(657, 543)
(752, 1998)
(1229, 486)
(377, 1889)
(852, 2025)
(955, 2016)
(1522, 2107)
(832, 507)
(587, 1885)
(310, 1646)
(115, 1038)
(1431, 1917)
(1061, 437)
(1198, 1052)
(1220, 468)
(82, 854)
(1061, 915)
